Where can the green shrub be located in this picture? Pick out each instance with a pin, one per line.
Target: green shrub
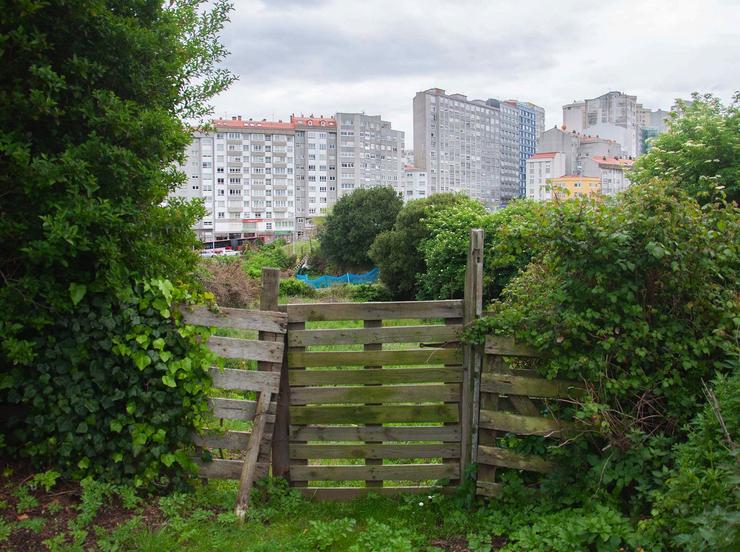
(292, 287)
(114, 389)
(369, 292)
(699, 507)
(271, 255)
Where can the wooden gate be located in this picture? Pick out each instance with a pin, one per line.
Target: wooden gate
(355, 391)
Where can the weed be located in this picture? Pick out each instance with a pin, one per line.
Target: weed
(35, 525)
(26, 501)
(47, 480)
(5, 530)
(324, 534)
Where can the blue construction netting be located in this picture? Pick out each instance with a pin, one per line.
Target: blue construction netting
(326, 281)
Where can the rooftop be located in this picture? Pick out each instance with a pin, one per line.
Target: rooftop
(545, 155)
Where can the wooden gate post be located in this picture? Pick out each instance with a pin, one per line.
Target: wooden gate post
(269, 302)
(472, 310)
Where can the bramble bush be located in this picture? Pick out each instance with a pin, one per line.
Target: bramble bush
(266, 255)
(292, 287)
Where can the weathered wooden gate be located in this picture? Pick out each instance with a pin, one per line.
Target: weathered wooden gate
(368, 403)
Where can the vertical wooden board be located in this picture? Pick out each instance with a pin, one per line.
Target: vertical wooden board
(293, 326)
(246, 480)
(373, 347)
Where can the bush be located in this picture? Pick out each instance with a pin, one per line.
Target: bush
(292, 287)
(397, 252)
(271, 255)
(698, 508)
(226, 279)
(115, 388)
(369, 292)
(638, 297)
(356, 219)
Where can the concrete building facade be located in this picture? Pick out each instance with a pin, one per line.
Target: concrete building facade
(510, 148)
(574, 186)
(415, 184)
(370, 153)
(531, 123)
(458, 143)
(541, 168)
(612, 172)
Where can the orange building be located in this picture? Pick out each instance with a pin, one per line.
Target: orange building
(570, 186)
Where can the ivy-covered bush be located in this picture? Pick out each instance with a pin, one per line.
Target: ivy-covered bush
(113, 389)
(369, 292)
(292, 287)
(96, 377)
(268, 255)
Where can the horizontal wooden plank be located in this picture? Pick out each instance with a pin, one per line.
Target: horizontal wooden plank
(376, 376)
(232, 409)
(397, 472)
(487, 488)
(298, 451)
(390, 334)
(383, 394)
(507, 384)
(229, 347)
(505, 458)
(241, 319)
(523, 425)
(229, 440)
(245, 380)
(373, 414)
(220, 468)
(375, 311)
(395, 433)
(507, 346)
(374, 358)
(351, 493)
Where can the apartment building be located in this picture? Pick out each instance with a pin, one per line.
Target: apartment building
(315, 169)
(573, 186)
(541, 168)
(415, 184)
(612, 172)
(531, 127)
(457, 142)
(510, 148)
(371, 153)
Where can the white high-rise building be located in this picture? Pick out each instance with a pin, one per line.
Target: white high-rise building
(370, 153)
(415, 184)
(457, 142)
(541, 168)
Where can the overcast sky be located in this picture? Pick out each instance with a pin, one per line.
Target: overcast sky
(324, 56)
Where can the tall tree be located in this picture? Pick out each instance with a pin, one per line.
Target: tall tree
(700, 152)
(353, 224)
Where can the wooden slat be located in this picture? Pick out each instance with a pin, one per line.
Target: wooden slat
(375, 451)
(391, 334)
(523, 425)
(373, 414)
(351, 493)
(249, 468)
(398, 472)
(508, 459)
(506, 346)
(227, 469)
(232, 409)
(385, 394)
(395, 433)
(448, 374)
(229, 347)
(379, 358)
(507, 384)
(487, 488)
(241, 319)
(245, 380)
(374, 311)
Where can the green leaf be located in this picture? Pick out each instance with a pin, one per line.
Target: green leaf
(169, 381)
(77, 292)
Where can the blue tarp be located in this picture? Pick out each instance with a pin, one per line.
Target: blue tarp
(326, 281)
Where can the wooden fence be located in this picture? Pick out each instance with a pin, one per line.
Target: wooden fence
(515, 400)
(354, 390)
(371, 402)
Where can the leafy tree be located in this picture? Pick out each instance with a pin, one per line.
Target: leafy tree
(397, 251)
(700, 152)
(509, 242)
(355, 221)
(93, 100)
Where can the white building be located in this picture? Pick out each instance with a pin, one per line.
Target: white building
(612, 171)
(370, 153)
(415, 184)
(457, 142)
(540, 168)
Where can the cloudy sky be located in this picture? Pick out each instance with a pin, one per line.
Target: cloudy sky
(323, 56)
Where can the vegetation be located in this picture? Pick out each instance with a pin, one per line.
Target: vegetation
(292, 287)
(227, 280)
(700, 152)
(397, 252)
(271, 255)
(99, 375)
(352, 226)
